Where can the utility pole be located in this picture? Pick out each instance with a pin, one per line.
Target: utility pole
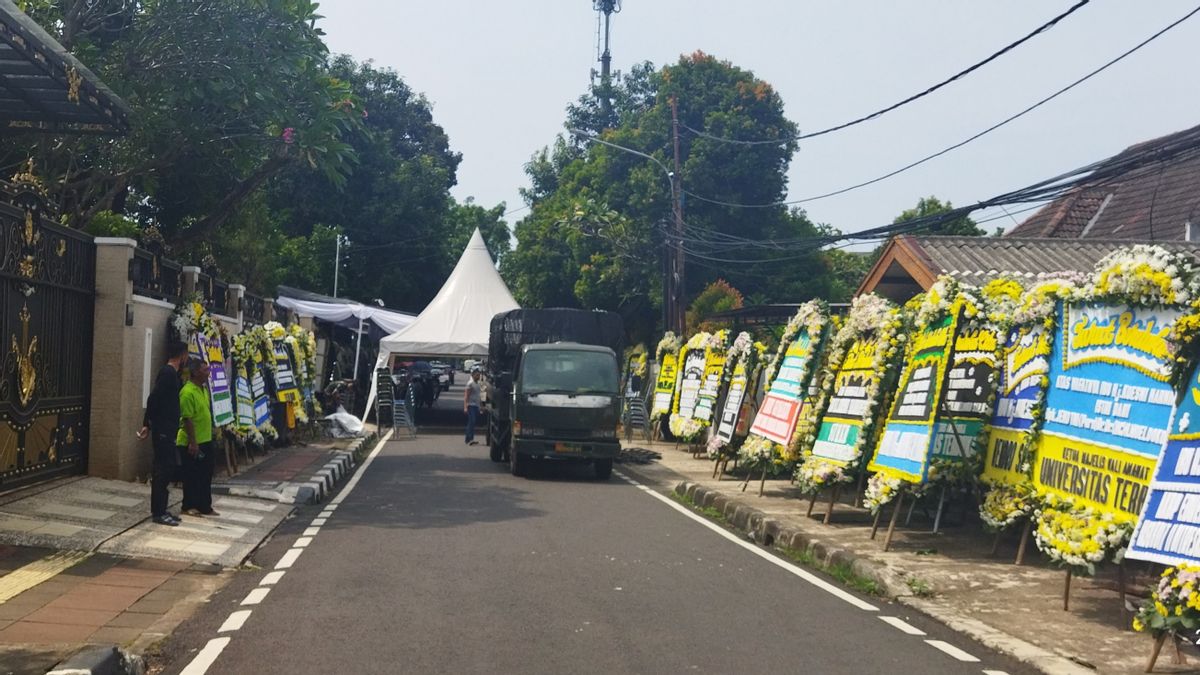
(677, 276)
(607, 8)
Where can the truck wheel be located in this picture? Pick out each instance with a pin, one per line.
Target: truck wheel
(603, 468)
(518, 465)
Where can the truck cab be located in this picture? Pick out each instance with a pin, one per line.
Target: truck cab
(566, 405)
(555, 387)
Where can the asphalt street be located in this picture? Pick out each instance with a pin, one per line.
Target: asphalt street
(436, 560)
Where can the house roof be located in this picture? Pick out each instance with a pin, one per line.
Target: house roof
(910, 264)
(44, 88)
(1153, 203)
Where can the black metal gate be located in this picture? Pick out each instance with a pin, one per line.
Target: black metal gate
(47, 289)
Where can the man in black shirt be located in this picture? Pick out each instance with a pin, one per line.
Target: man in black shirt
(161, 423)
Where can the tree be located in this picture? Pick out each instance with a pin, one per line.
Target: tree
(710, 95)
(393, 208)
(216, 113)
(932, 206)
(717, 297)
(464, 218)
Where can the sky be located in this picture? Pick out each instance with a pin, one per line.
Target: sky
(500, 75)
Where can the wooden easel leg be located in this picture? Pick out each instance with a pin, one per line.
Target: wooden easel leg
(858, 489)
(1067, 592)
(762, 483)
(1180, 659)
(996, 543)
(716, 468)
(1158, 645)
(912, 506)
(875, 525)
(811, 503)
(832, 500)
(1025, 532)
(749, 475)
(887, 540)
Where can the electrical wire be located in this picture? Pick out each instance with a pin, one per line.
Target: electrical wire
(865, 118)
(960, 144)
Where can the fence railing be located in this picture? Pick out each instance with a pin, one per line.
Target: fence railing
(215, 293)
(253, 308)
(156, 277)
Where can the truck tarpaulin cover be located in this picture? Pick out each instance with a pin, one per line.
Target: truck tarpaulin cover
(510, 330)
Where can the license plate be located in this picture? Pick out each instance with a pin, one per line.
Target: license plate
(567, 447)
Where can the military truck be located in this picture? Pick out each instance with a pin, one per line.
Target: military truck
(555, 387)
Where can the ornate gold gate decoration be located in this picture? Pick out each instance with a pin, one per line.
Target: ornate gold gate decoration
(47, 287)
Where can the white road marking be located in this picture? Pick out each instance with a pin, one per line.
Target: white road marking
(206, 657)
(289, 558)
(256, 596)
(235, 621)
(802, 573)
(331, 507)
(952, 650)
(326, 514)
(303, 542)
(903, 625)
(317, 522)
(994, 672)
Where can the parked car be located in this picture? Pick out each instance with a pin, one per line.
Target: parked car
(419, 379)
(447, 370)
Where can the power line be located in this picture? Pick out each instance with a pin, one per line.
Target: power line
(960, 144)
(953, 78)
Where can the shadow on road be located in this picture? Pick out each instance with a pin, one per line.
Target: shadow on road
(432, 491)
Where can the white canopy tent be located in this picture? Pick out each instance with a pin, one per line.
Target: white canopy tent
(456, 322)
(347, 313)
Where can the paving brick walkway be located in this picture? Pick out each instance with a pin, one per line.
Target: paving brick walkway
(102, 600)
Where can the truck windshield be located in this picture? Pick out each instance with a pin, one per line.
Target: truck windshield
(568, 371)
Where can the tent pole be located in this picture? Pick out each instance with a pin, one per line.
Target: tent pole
(357, 348)
(337, 262)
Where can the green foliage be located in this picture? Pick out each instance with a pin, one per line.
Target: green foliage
(717, 297)
(847, 269)
(250, 143)
(623, 271)
(109, 224)
(395, 209)
(462, 221)
(930, 206)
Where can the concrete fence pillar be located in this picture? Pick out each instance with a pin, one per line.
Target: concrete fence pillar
(112, 448)
(237, 293)
(191, 281)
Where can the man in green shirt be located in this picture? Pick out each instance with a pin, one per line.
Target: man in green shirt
(195, 441)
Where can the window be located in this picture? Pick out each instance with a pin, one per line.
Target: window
(569, 371)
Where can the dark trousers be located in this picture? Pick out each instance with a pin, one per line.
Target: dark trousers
(197, 478)
(472, 416)
(166, 462)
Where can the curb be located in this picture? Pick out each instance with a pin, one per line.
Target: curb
(311, 491)
(100, 661)
(767, 531)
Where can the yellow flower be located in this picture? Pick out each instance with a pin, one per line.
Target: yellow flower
(1138, 625)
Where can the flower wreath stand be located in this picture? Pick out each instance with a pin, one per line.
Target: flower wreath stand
(1174, 606)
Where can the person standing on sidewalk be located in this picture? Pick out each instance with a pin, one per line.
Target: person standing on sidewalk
(161, 425)
(471, 400)
(195, 440)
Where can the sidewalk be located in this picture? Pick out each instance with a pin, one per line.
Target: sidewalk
(951, 575)
(81, 564)
(48, 613)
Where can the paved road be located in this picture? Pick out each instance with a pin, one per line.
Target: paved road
(439, 561)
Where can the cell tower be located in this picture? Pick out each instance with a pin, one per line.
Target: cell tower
(606, 9)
